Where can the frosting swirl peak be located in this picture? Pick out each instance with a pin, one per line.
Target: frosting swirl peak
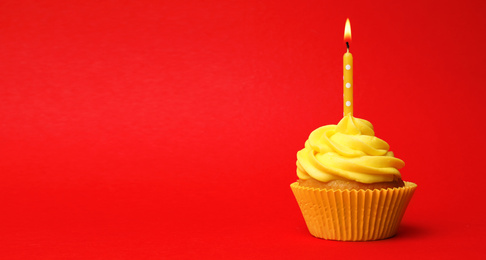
(349, 150)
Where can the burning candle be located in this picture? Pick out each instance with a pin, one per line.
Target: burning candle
(347, 73)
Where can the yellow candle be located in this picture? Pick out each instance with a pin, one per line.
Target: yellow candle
(347, 73)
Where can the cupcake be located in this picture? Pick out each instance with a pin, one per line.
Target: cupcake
(349, 186)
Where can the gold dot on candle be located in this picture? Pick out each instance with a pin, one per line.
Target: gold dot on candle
(348, 85)
(348, 103)
(348, 67)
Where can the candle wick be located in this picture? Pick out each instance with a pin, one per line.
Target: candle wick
(347, 45)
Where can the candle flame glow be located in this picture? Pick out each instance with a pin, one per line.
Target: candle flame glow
(347, 31)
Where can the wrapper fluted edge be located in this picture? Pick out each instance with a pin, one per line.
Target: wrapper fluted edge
(353, 215)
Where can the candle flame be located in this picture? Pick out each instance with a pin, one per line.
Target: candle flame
(347, 31)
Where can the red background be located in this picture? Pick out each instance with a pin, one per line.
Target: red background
(168, 129)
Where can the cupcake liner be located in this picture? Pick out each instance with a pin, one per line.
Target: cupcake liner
(353, 215)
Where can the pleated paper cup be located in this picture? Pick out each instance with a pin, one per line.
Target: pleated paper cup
(353, 215)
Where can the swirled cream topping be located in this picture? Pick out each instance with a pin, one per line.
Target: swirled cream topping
(349, 151)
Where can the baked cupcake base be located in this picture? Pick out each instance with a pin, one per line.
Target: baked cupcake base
(353, 215)
(350, 185)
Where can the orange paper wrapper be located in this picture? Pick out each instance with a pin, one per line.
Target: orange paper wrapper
(353, 215)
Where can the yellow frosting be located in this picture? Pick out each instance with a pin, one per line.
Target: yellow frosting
(348, 150)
